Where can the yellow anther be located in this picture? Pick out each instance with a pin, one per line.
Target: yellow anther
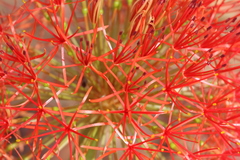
(238, 143)
(96, 140)
(32, 80)
(214, 104)
(164, 89)
(27, 142)
(129, 82)
(222, 132)
(18, 140)
(189, 114)
(24, 31)
(162, 150)
(179, 152)
(155, 86)
(179, 119)
(108, 110)
(79, 27)
(216, 74)
(171, 57)
(161, 137)
(152, 136)
(166, 112)
(23, 1)
(40, 107)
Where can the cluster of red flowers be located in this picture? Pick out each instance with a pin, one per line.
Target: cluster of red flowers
(120, 79)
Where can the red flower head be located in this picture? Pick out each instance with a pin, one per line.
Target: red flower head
(120, 79)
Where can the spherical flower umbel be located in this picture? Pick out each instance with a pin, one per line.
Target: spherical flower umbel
(120, 79)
